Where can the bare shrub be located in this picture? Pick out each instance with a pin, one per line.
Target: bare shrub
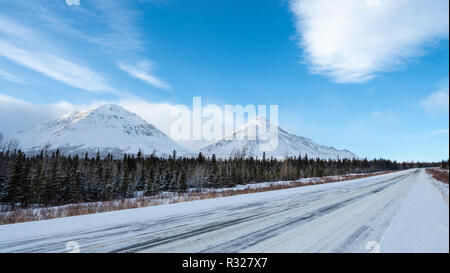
(439, 174)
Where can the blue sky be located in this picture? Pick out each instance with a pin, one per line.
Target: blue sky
(370, 76)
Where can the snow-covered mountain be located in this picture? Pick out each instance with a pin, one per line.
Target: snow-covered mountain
(111, 129)
(288, 144)
(108, 128)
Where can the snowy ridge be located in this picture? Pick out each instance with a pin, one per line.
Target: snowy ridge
(108, 128)
(239, 144)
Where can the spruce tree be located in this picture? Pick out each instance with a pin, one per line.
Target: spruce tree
(182, 185)
(149, 187)
(14, 188)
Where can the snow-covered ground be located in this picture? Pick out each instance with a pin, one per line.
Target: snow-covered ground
(443, 187)
(400, 211)
(289, 183)
(166, 197)
(421, 224)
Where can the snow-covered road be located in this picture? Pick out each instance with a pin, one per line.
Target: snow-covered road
(400, 211)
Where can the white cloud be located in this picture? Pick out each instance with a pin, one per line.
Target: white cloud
(34, 53)
(437, 103)
(156, 113)
(109, 24)
(10, 77)
(18, 115)
(57, 68)
(354, 40)
(13, 29)
(120, 19)
(143, 71)
(117, 35)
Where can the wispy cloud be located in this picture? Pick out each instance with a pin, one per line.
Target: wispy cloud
(437, 102)
(10, 77)
(57, 68)
(437, 132)
(351, 41)
(143, 71)
(109, 25)
(119, 17)
(386, 114)
(34, 53)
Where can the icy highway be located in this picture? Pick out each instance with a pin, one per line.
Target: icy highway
(397, 212)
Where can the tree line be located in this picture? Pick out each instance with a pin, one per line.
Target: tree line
(444, 164)
(51, 178)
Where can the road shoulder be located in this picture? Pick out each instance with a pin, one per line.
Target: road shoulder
(422, 223)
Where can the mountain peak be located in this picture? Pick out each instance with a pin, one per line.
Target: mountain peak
(108, 128)
(109, 108)
(288, 144)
